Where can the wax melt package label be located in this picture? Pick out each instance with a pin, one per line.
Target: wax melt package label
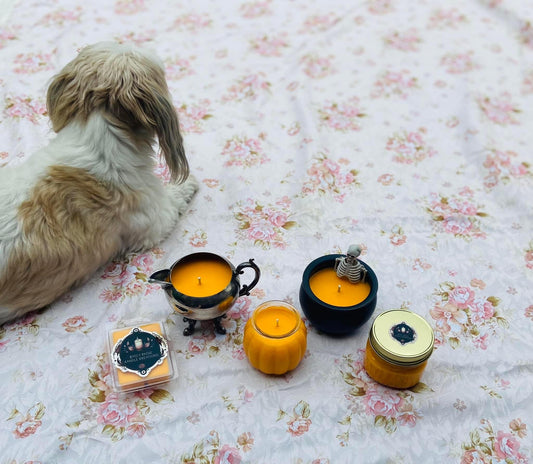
(140, 357)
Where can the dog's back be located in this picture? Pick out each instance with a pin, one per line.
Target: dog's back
(91, 194)
(65, 225)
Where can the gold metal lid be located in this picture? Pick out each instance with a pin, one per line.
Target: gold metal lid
(402, 337)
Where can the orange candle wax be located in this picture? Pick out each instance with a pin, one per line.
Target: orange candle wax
(131, 381)
(335, 291)
(389, 374)
(275, 338)
(276, 321)
(201, 277)
(399, 345)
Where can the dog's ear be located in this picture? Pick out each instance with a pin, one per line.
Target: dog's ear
(63, 99)
(76, 91)
(55, 90)
(170, 139)
(148, 102)
(139, 92)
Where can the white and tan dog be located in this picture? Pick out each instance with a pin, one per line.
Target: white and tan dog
(91, 194)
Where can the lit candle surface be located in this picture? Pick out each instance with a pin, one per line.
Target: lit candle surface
(127, 381)
(201, 277)
(276, 321)
(331, 289)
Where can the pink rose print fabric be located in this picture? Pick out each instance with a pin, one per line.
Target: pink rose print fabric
(464, 314)
(310, 125)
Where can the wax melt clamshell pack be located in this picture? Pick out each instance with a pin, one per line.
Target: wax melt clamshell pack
(140, 357)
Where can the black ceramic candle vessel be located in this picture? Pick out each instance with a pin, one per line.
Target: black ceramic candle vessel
(330, 318)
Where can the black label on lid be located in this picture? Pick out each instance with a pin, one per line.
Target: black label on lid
(403, 333)
(139, 352)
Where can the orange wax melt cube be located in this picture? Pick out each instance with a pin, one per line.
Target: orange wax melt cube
(140, 357)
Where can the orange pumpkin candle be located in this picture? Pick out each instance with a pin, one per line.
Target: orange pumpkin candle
(275, 338)
(335, 291)
(140, 357)
(201, 277)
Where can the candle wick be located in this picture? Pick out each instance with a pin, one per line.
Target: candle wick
(199, 281)
(339, 289)
(277, 322)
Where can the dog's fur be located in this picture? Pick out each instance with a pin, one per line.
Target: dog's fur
(91, 194)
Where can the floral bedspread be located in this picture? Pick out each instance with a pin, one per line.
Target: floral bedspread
(405, 126)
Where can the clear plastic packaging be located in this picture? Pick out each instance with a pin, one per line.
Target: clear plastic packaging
(140, 357)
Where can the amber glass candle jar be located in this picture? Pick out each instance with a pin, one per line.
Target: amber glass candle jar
(398, 347)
